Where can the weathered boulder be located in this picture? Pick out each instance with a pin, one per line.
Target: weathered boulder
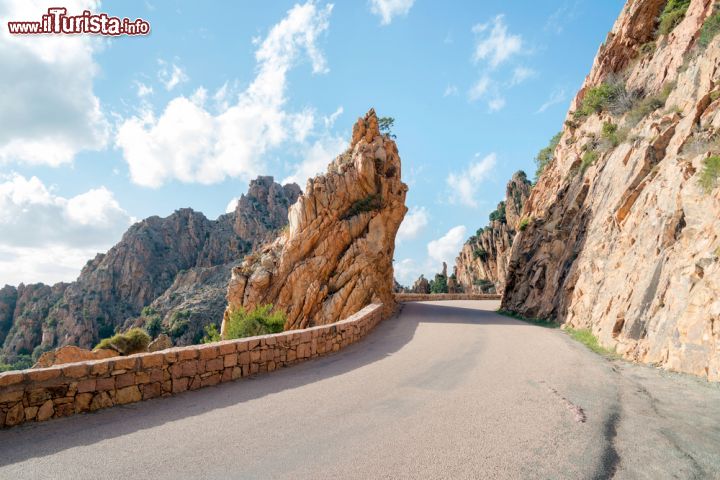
(336, 256)
(162, 342)
(70, 354)
(623, 238)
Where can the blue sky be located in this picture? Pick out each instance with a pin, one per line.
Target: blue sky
(99, 132)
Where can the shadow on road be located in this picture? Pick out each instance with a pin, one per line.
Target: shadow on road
(41, 439)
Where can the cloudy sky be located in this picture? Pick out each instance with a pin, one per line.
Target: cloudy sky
(96, 132)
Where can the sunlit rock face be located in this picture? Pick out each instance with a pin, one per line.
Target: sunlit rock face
(624, 235)
(336, 255)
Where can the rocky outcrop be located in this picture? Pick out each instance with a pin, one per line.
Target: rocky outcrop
(623, 238)
(336, 256)
(72, 354)
(421, 285)
(179, 266)
(481, 266)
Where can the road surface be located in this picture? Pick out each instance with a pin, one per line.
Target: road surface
(444, 390)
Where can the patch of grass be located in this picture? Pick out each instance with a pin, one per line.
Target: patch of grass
(259, 321)
(524, 223)
(132, 341)
(546, 155)
(541, 322)
(710, 29)
(367, 204)
(672, 15)
(710, 173)
(586, 337)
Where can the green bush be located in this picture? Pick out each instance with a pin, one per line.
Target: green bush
(439, 285)
(524, 223)
(499, 213)
(588, 159)
(179, 322)
(546, 155)
(614, 135)
(153, 325)
(710, 173)
(385, 125)
(212, 334)
(132, 341)
(259, 321)
(672, 15)
(710, 29)
(21, 362)
(600, 98)
(480, 253)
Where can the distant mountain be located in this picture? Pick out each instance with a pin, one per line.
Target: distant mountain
(178, 267)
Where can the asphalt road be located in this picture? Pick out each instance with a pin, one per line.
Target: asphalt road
(444, 390)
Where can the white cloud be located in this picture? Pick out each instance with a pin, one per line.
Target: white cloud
(46, 237)
(464, 185)
(447, 247)
(329, 121)
(520, 74)
(143, 90)
(562, 16)
(189, 143)
(387, 9)
(496, 104)
(413, 223)
(49, 111)
(316, 159)
(450, 91)
(479, 89)
(556, 96)
(171, 75)
(406, 271)
(232, 204)
(494, 44)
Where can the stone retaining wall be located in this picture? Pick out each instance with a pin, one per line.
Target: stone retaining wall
(59, 391)
(422, 297)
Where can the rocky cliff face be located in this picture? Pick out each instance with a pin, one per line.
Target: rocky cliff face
(625, 220)
(179, 266)
(481, 266)
(336, 256)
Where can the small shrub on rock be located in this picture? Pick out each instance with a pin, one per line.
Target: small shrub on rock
(601, 98)
(710, 29)
(132, 341)
(524, 223)
(672, 15)
(710, 173)
(613, 135)
(546, 155)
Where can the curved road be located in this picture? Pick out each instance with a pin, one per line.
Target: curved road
(444, 390)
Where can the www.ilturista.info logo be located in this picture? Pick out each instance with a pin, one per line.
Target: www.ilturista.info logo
(57, 21)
